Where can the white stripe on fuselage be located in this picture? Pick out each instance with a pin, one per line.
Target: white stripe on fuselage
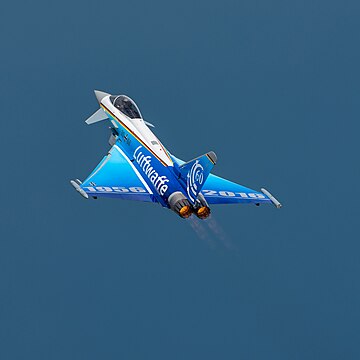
(139, 128)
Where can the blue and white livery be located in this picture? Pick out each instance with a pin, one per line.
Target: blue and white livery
(138, 167)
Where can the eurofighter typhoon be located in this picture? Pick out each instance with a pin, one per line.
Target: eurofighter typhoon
(138, 167)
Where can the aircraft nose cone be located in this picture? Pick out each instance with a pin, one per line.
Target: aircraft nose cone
(100, 95)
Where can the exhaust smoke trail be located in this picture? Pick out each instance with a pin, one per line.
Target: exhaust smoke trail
(219, 232)
(210, 230)
(200, 230)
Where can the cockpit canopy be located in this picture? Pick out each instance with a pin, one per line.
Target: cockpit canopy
(126, 106)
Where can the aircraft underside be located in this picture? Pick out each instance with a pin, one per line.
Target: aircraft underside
(139, 168)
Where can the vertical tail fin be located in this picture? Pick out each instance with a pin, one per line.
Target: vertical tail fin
(195, 172)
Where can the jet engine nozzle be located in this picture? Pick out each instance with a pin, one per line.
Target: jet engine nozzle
(202, 209)
(203, 212)
(180, 204)
(185, 211)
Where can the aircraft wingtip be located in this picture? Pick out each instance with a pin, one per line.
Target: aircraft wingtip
(212, 156)
(272, 198)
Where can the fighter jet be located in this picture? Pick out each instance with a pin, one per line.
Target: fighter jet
(138, 167)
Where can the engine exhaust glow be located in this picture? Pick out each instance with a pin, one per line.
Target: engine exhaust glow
(185, 211)
(203, 212)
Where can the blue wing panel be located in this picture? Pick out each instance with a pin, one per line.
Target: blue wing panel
(217, 190)
(115, 176)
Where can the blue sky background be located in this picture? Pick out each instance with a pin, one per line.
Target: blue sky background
(273, 88)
